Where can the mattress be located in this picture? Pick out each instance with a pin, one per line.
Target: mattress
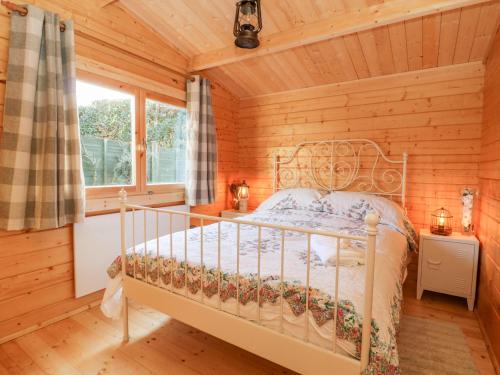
(169, 271)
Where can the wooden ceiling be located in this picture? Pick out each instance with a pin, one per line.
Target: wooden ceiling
(440, 36)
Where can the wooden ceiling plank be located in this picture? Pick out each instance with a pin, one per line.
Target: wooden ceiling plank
(281, 66)
(448, 38)
(308, 65)
(280, 70)
(104, 3)
(487, 26)
(369, 48)
(255, 78)
(221, 75)
(325, 63)
(344, 59)
(414, 43)
(397, 35)
(291, 58)
(136, 10)
(466, 33)
(428, 76)
(337, 25)
(356, 53)
(431, 29)
(383, 43)
(218, 25)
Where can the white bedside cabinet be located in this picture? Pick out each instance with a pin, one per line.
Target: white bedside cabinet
(232, 214)
(448, 264)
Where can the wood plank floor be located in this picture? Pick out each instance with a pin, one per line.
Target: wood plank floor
(451, 309)
(89, 343)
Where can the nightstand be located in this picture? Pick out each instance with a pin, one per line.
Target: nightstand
(448, 264)
(232, 214)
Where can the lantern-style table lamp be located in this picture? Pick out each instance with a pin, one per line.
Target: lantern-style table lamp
(441, 222)
(243, 195)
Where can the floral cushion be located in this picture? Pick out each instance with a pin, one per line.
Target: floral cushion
(290, 199)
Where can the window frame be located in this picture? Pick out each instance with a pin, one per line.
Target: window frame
(166, 186)
(141, 187)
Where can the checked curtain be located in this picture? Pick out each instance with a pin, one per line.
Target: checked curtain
(41, 184)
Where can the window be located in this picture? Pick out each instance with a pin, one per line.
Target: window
(107, 124)
(130, 138)
(166, 142)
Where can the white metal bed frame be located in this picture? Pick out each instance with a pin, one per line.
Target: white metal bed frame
(325, 170)
(350, 164)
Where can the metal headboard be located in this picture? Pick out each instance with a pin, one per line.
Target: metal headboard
(350, 165)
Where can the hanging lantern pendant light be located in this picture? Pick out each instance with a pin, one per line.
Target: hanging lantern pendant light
(247, 23)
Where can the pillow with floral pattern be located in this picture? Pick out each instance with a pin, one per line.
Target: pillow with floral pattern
(290, 199)
(355, 206)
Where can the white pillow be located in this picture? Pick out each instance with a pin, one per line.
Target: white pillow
(290, 199)
(325, 247)
(355, 206)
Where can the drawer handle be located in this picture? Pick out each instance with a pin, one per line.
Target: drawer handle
(433, 264)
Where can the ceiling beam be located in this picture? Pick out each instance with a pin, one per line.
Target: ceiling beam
(344, 23)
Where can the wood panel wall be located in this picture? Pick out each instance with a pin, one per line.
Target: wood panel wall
(435, 115)
(36, 268)
(489, 190)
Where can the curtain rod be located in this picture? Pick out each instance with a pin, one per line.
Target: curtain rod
(23, 11)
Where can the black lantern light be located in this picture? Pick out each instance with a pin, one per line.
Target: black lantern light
(247, 23)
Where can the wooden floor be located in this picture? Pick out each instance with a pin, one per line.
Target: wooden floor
(451, 309)
(89, 343)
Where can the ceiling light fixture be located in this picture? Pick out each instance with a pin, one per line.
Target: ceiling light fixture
(247, 23)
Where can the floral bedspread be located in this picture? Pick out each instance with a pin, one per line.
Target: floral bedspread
(172, 270)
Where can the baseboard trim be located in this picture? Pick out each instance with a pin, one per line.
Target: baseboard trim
(489, 347)
(48, 322)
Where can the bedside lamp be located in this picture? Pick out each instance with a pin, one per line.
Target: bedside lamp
(243, 195)
(441, 222)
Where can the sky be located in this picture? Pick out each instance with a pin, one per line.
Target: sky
(86, 93)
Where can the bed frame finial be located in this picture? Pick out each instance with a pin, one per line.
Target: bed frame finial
(372, 219)
(122, 194)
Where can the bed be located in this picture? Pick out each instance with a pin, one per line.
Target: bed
(245, 280)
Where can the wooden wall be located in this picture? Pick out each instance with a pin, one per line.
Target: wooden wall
(489, 190)
(435, 115)
(36, 268)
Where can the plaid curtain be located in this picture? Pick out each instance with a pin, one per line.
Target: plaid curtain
(201, 144)
(41, 182)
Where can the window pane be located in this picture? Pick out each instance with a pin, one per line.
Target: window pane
(106, 128)
(166, 142)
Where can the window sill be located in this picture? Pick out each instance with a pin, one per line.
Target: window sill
(98, 206)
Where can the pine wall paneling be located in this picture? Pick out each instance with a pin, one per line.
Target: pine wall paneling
(435, 115)
(36, 268)
(489, 201)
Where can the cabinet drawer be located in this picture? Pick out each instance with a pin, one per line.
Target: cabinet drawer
(447, 266)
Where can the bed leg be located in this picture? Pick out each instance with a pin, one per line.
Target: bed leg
(125, 319)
